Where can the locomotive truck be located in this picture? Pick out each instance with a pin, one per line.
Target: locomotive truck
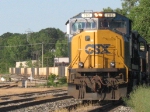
(107, 58)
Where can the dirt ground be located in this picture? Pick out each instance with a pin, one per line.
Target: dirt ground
(16, 88)
(4, 91)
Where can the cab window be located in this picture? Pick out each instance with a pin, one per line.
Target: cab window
(83, 24)
(114, 25)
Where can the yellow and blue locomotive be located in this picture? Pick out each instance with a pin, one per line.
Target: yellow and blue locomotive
(106, 58)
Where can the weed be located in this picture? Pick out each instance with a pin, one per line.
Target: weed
(138, 99)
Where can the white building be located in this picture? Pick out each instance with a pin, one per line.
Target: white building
(61, 61)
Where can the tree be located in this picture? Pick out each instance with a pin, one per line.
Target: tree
(61, 48)
(118, 10)
(128, 5)
(141, 18)
(108, 9)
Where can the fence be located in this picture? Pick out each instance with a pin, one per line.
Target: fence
(38, 72)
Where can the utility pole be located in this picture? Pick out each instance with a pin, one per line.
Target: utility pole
(42, 54)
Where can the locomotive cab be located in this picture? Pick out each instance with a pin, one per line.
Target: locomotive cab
(95, 21)
(102, 56)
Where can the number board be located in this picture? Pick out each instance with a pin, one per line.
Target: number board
(86, 15)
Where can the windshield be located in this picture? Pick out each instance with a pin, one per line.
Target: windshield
(78, 25)
(117, 25)
(84, 24)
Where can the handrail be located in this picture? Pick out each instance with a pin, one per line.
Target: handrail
(74, 60)
(126, 70)
(121, 60)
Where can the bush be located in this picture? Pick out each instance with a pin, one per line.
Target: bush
(51, 79)
(139, 99)
(62, 80)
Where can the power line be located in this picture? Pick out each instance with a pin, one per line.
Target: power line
(30, 44)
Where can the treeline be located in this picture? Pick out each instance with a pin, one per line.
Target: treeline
(26, 47)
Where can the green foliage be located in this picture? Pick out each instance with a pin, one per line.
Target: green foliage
(141, 18)
(61, 48)
(63, 80)
(21, 65)
(128, 5)
(118, 10)
(48, 59)
(27, 47)
(139, 99)
(108, 9)
(51, 79)
(29, 63)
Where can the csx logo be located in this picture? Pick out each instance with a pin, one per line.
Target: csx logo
(97, 48)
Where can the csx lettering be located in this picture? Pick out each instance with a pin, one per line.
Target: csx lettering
(97, 48)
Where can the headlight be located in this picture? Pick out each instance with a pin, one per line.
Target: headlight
(96, 14)
(81, 64)
(112, 64)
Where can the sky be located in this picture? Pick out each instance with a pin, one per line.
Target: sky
(21, 16)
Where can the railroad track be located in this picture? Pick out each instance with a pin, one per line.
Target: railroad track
(51, 99)
(45, 101)
(30, 94)
(105, 107)
(30, 103)
(96, 107)
(8, 86)
(102, 108)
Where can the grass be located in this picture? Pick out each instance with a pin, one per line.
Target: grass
(139, 99)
